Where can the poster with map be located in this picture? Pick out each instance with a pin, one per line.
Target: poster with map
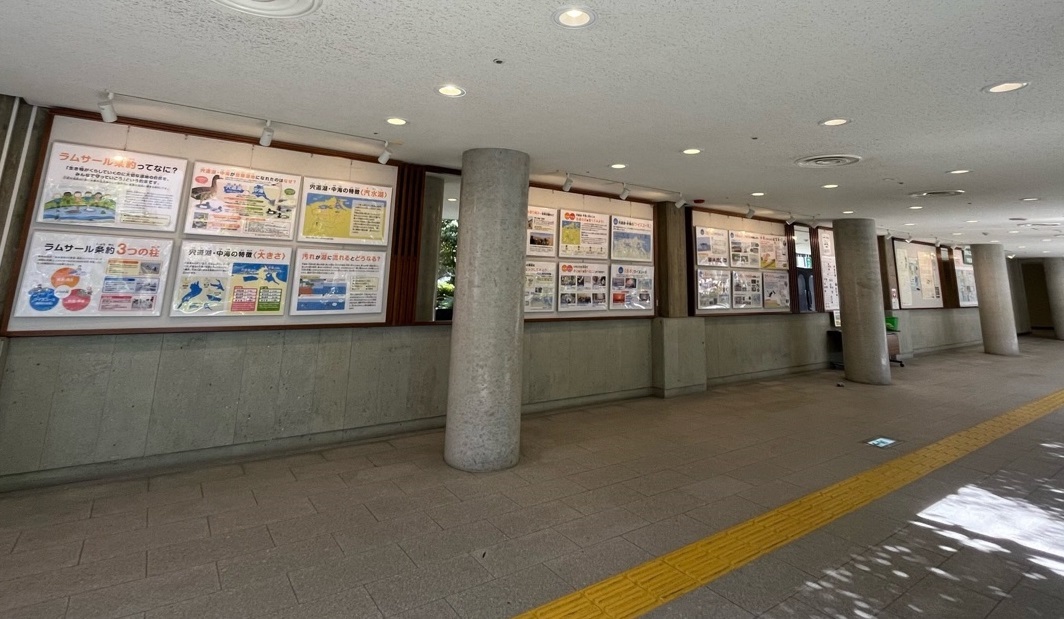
(777, 287)
(584, 235)
(540, 286)
(745, 249)
(107, 187)
(227, 200)
(632, 239)
(582, 287)
(336, 281)
(714, 289)
(711, 247)
(72, 275)
(631, 287)
(217, 279)
(542, 234)
(345, 212)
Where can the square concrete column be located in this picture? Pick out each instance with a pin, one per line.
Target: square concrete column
(996, 319)
(1054, 268)
(484, 391)
(864, 336)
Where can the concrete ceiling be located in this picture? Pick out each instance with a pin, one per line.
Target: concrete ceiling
(645, 81)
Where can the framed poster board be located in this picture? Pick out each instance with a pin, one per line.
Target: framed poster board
(919, 282)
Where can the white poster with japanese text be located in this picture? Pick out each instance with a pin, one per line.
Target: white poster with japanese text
(584, 235)
(83, 275)
(218, 279)
(714, 289)
(745, 249)
(334, 281)
(711, 247)
(631, 287)
(966, 292)
(777, 287)
(774, 252)
(227, 200)
(93, 186)
(582, 287)
(345, 212)
(746, 289)
(632, 239)
(542, 233)
(540, 286)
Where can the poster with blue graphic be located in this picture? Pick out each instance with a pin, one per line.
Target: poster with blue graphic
(227, 200)
(632, 239)
(631, 287)
(217, 279)
(333, 281)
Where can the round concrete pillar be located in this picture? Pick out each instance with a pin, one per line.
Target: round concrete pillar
(996, 318)
(864, 338)
(484, 391)
(1054, 268)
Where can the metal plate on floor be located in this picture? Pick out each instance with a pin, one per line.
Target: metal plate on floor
(882, 442)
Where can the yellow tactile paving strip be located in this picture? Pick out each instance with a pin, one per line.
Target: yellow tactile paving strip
(656, 582)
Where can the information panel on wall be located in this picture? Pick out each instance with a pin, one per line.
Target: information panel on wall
(107, 187)
(632, 239)
(92, 275)
(584, 235)
(711, 247)
(582, 286)
(829, 272)
(228, 200)
(343, 212)
(228, 279)
(714, 289)
(966, 291)
(753, 264)
(541, 280)
(918, 277)
(542, 234)
(337, 281)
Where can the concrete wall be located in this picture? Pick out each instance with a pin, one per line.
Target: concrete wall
(1034, 283)
(939, 329)
(746, 347)
(1019, 297)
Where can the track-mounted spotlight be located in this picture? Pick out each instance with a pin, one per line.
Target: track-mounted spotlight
(790, 219)
(750, 212)
(681, 202)
(267, 135)
(384, 156)
(568, 184)
(107, 108)
(625, 192)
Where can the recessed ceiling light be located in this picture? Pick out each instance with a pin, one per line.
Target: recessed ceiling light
(847, 212)
(758, 194)
(1004, 87)
(959, 171)
(995, 241)
(395, 120)
(450, 90)
(1045, 251)
(957, 233)
(618, 166)
(273, 8)
(1047, 240)
(833, 122)
(1021, 247)
(1014, 231)
(971, 221)
(915, 208)
(574, 17)
(1031, 199)
(692, 151)
(452, 199)
(829, 186)
(910, 224)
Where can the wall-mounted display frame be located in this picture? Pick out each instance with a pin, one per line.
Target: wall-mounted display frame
(229, 200)
(967, 295)
(334, 211)
(919, 279)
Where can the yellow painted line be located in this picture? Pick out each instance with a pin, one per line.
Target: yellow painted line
(658, 581)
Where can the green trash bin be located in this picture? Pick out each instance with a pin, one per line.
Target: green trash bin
(892, 323)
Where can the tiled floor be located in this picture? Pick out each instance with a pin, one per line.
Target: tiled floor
(388, 529)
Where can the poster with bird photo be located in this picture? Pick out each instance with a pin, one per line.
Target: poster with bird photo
(345, 212)
(230, 201)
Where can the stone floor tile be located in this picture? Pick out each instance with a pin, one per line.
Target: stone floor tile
(1026, 602)
(52, 609)
(247, 517)
(331, 577)
(527, 520)
(543, 491)
(301, 488)
(194, 476)
(817, 551)
(656, 483)
(792, 608)
(68, 581)
(354, 451)
(846, 591)
(702, 603)
(355, 495)
(540, 471)
(511, 595)
(725, 512)
(388, 507)
(484, 484)
(208, 550)
(759, 473)
(600, 526)
(380, 473)
(437, 546)
(46, 559)
(245, 569)
(669, 534)
(246, 482)
(935, 597)
(364, 537)
(601, 499)
(863, 530)
(107, 546)
(439, 609)
(451, 515)
(604, 476)
(353, 603)
(667, 504)
(32, 539)
(989, 574)
(774, 494)
(594, 563)
(518, 554)
(425, 584)
(716, 488)
(126, 503)
(320, 523)
(331, 468)
(197, 508)
(760, 585)
(252, 600)
(143, 594)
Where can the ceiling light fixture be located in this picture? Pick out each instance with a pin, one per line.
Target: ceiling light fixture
(971, 221)
(938, 243)
(625, 192)
(910, 224)
(750, 212)
(450, 90)
(958, 233)
(692, 151)
(273, 8)
(452, 199)
(995, 241)
(1021, 247)
(1004, 87)
(385, 155)
(395, 120)
(909, 239)
(1011, 256)
(1030, 199)
(959, 171)
(107, 108)
(568, 184)
(267, 135)
(681, 202)
(573, 17)
(790, 219)
(915, 208)
(834, 122)
(847, 212)
(829, 186)
(758, 194)
(618, 166)
(888, 236)
(1014, 231)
